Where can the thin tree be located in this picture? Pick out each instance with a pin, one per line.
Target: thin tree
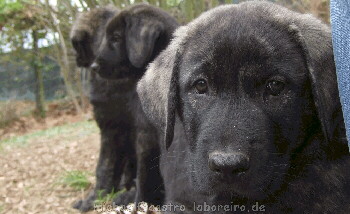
(20, 18)
(39, 84)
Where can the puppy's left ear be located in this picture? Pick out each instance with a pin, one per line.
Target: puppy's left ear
(158, 88)
(141, 36)
(315, 40)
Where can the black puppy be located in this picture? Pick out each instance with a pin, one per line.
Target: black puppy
(250, 92)
(141, 26)
(132, 39)
(86, 36)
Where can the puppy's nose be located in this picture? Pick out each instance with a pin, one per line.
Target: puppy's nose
(95, 67)
(229, 163)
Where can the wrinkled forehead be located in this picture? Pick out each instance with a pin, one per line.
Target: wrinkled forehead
(232, 40)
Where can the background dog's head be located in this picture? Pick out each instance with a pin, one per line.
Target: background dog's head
(132, 39)
(254, 85)
(87, 33)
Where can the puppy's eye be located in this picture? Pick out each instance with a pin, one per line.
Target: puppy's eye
(275, 87)
(201, 86)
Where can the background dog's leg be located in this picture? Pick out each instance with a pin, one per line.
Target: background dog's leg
(149, 184)
(110, 166)
(128, 180)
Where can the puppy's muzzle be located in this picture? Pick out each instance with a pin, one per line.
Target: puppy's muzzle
(95, 67)
(228, 163)
(99, 67)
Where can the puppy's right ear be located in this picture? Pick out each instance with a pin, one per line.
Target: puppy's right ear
(82, 44)
(158, 90)
(315, 41)
(141, 36)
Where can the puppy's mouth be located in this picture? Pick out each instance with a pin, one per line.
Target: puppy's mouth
(238, 183)
(241, 188)
(249, 184)
(215, 183)
(252, 184)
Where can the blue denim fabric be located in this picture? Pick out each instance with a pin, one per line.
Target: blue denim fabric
(340, 21)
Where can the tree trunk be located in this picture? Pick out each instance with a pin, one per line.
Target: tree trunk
(188, 8)
(64, 62)
(118, 3)
(163, 4)
(199, 8)
(82, 83)
(214, 3)
(153, 2)
(127, 2)
(39, 84)
(222, 2)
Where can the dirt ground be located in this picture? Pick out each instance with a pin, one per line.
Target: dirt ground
(58, 113)
(36, 154)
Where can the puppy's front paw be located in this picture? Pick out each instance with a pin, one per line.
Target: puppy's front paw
(126, 197)
(86, 204)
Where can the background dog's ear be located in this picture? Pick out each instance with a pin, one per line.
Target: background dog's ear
(315, 40)
(158, 89)
(141, 36)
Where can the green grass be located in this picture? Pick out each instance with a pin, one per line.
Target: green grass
(77, 180)
(107, 198)
(65, 132)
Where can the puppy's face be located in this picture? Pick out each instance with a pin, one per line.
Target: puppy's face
(82, 44)
(130, 42)
(245, 102)
(87, 33)
(255, 88)
(112, 60)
